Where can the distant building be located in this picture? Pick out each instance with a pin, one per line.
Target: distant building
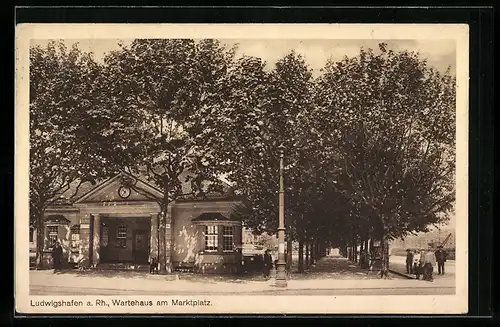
(423, 240)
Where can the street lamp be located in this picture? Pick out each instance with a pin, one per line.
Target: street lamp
(281, 273)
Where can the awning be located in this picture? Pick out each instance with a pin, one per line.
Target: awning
(57, 219)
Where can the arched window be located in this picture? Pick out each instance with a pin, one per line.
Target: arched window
(121, 236)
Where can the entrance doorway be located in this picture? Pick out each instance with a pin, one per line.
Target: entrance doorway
(140, 247)
(125, 240)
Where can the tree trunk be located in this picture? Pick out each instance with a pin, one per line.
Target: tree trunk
(301, 254)
(162, 243)
(356, 251)
(289, 250)
(307, 254)
(384, 271)
(316, 251)
(371, 254)
(361, 252)
(312, 252)
(40, 240)
(162, 248)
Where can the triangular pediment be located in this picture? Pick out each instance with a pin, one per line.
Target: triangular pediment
(122, 188)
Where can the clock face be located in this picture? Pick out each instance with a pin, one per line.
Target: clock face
(124, 192)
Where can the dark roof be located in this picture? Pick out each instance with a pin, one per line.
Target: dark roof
(60, 219)
(211, 216)
(77, 190)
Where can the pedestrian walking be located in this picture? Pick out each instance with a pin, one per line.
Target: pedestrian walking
(57, 256)
(441, 259)
(268, 263)
(429, 263)
(409, 261)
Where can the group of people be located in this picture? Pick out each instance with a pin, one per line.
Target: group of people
(422, 262)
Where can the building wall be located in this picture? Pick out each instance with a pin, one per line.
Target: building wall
(185, 237)
(71, 250)
(188, 238)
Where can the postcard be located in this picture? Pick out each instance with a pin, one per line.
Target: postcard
(241, 168)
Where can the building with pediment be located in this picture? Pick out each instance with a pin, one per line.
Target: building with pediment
(115, 224)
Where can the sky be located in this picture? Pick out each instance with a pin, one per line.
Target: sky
(439, 54)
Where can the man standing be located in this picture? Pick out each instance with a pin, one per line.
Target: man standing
(57, 256)
(268, 263)
(409, 261)
(429, 263)
(441, 259)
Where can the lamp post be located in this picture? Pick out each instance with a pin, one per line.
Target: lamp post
(281, 273)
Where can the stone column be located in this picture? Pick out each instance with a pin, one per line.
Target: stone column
(84, 238)
(97, 239)
(153, 241)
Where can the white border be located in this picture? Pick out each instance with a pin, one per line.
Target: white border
(455, 304)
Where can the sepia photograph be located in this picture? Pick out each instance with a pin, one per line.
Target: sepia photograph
(241, 169)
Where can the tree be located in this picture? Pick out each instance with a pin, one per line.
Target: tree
(66, 132)
(264, 110)
(392, 122)
(164, 91)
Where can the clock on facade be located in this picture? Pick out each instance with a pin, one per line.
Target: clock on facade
(124, 192)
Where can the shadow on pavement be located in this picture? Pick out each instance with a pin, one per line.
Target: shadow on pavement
(209, 278)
